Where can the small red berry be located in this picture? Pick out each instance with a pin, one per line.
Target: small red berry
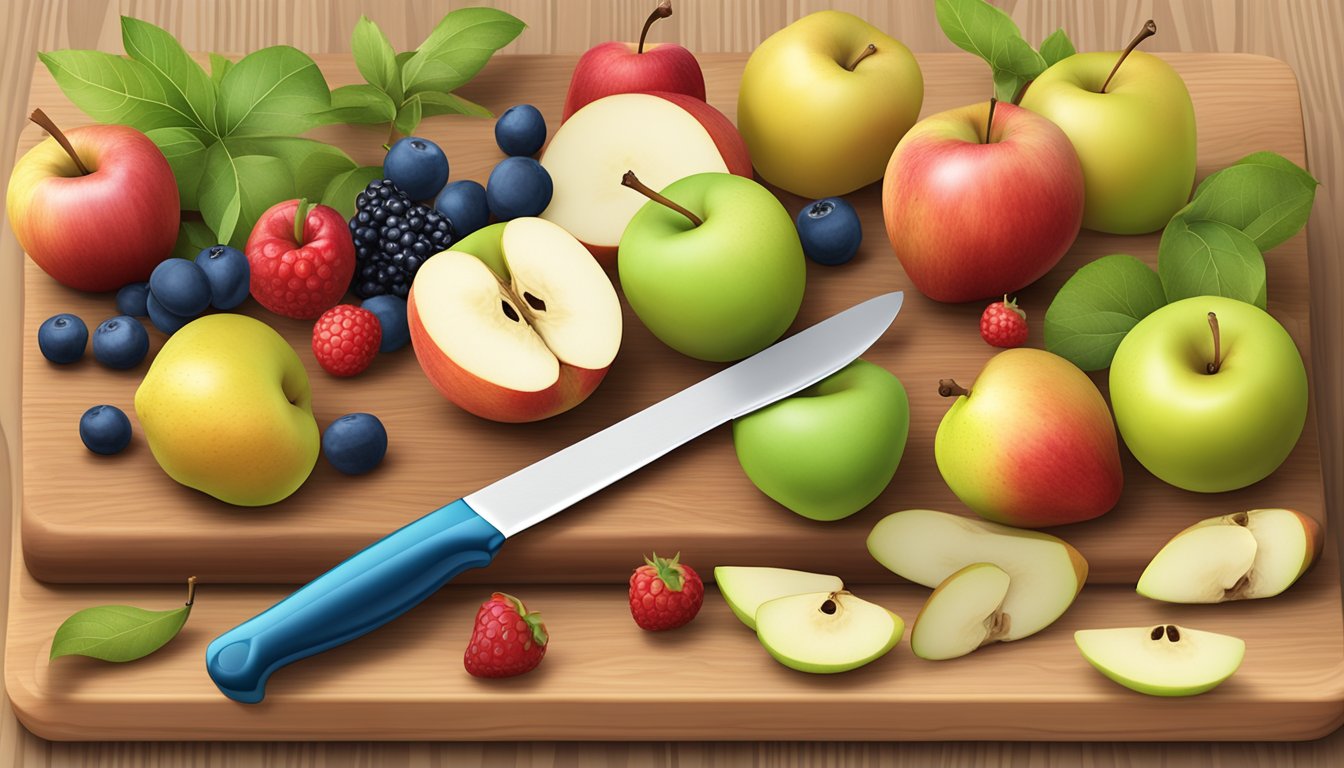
(506, 640)
(345, 339)
(665, 594)
(1003, 324)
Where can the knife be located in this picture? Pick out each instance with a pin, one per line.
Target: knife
(397, 572)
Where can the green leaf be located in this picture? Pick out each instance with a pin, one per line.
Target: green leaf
(185, 149)
(310, 164)
(1007, 85)
(192, 238)
(376, 60)
(1057, 47)
(112, 89)
(1264, 195)
(219, 66)
(1210, 258)
(273, 91)
(1096, 308)
(408, 117)
(117, 632)
(345, 187)
(362, 104)
(987, 32)
(458, 48)
(236, 189)
(185, 85)
(434, 103)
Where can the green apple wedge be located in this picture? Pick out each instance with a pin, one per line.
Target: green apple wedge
(830, 450)
(1162, 660)
(826, 632)
(745, 588)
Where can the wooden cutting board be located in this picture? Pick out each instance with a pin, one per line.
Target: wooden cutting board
(87, 520)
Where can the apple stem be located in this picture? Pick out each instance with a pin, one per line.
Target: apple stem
(989, 125)
(1217, 363)
(1149, 29)
(40, 117)
(950, 388)
(663, 10)
(632, 181)
(191, 591)
(300, 219)
(865, 53)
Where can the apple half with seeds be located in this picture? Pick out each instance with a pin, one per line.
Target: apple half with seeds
(1162, 660)
(745, 588)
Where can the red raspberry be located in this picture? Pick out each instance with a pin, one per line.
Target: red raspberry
(300, 277)
(345, 339)
(664, 594)
(1003, 324)
(506, 640)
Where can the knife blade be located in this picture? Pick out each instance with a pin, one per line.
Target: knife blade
(395, 573)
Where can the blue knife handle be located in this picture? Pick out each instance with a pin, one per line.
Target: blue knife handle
(371, 588)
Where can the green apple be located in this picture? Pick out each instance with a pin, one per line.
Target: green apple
(824, 101)
(720, 286)
(1163, 660)
(1205, 431)
(227, 410)
(825, 632)
(1136, 139)
(828, 451)
(746, 587)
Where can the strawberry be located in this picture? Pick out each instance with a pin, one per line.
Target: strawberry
(1003, 324)
(345, 339)
(507, 640)
(665, 594)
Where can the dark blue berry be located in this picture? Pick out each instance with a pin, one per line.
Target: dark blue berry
(228, 273)
(181, 287)
(417, 166)
(464, 204)
(391, 314)
(829, 230)
(131, 299)
(518, 186)
(167, 322)
(61, 338)
(520, 131)
(355, 443)
(120, 342)
(105, 429)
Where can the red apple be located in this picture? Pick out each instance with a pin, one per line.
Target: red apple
(516, 322)
(970, 219)
(99, 230)
(614, 67)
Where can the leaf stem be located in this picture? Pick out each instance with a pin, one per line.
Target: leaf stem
(950, 388)
(663, 10)
(40, 117)
(869, 50)
(989, 124)
(191, 591)
(1149, 29)
(632, 181)
(1217, 363)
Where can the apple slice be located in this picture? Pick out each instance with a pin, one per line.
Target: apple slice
(1163, 660)
(746, 587)
(825, 632)
(662, 137)
(1242, 556)
(516, 322)
(963, 613)
(925, 546)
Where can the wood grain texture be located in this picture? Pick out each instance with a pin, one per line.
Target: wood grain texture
(1304, 33)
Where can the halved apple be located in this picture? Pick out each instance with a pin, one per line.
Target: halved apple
(926, 546)
(745, 588)
(1162, 660)
(826, 632)
(662, 137)
(963, 613)
(516, 322)
(1242, 556)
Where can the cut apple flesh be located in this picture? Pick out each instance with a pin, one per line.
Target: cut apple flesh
(745, 588)
(962, 614)
(1162, 660)
(826, 632)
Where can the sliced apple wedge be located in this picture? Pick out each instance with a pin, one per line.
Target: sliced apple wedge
(965, 612)
(1242, 556)
(926, 546)
(746, 587)
(826, 632)
(1162, 660)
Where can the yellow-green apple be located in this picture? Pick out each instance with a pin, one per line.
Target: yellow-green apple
(712, 265)
(1135, 134)
(516, 322)
(614, 67)
(1162, 660)
(96, 208)
(662, 137)
(828, 451)
(227, 410)
(1031, 444)
(1242, 556)
(823, 102)
(970, 218)
(1210, 393)
(826, 632)
(745, 587)
(928, 547)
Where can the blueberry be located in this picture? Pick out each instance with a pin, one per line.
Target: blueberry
(105, 429)
(391, 314)
(131, 299)
(829, 230)
(165, 321)
(518, 186)
(463, 203)
(417, 166)
(181, 287)
(62, 338)
(120, 342)
(355, 443)
(520, 131)
(227, 272)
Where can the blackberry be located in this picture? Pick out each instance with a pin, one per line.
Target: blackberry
(393, 237)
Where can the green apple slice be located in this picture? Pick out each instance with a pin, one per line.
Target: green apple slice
(746, 587)
(963, 613)
(825, 632)
(1163, 660)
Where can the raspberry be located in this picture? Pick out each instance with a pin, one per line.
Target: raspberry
(1003, 324)
(506, 640)
(665, 594)
(345, 339)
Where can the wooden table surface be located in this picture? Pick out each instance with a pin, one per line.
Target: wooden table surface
(1304, 33)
